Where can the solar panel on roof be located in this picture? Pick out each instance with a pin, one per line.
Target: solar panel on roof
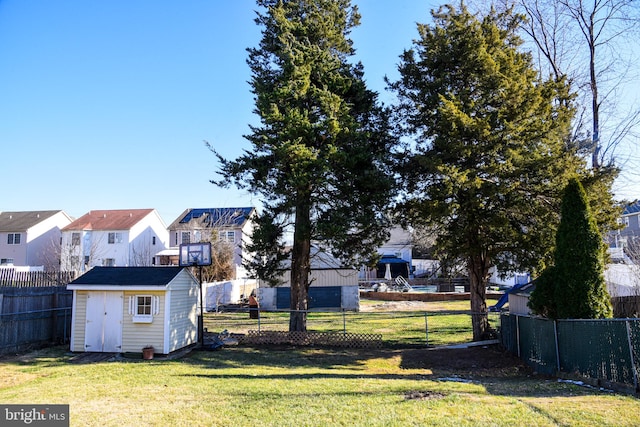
(234, 216)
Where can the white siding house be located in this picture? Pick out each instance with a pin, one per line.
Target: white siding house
(397, 251)
(233, 225)
(31, 238)
(113, 238)
(124, 309)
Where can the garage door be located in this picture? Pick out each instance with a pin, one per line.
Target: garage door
(319, 297)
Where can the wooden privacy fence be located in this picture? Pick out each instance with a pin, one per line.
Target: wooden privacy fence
(29, 279)
(35, 309)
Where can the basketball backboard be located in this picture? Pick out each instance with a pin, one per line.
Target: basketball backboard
(195, 254)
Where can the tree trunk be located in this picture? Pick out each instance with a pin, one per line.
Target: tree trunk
(478, 273)
(595, 105)
(300, 265)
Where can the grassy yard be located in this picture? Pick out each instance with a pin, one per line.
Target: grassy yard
(239, 386)
(433, 323)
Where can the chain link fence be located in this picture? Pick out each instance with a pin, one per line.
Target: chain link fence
(397, 328)
(603, 350)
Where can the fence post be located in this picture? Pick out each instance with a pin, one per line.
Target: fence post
(258, 321)
(344, 322)
(426, 329)
(555, 336)
(633, 359)
(518, 334)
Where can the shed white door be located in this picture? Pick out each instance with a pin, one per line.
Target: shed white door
(103, 331)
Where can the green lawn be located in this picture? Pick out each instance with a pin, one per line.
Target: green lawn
(239, 386)
(442, 323)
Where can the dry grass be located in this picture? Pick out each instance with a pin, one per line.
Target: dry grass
(310, 387)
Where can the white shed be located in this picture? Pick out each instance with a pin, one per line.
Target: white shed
(123, 309)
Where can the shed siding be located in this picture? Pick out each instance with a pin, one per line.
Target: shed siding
(79, 318)
(183, 326)
(329, 277)
(518, 304)
(135, 336)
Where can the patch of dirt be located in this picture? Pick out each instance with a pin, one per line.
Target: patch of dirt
(84, 358)
(480, 361)
(423, 395)
(397, 306)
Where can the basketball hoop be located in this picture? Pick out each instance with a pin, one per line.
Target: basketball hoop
(195, 254)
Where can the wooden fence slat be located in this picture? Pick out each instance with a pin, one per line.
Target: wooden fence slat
(12, 278)
(35, 308)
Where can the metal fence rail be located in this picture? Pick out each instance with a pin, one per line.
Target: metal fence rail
(607, 349)
(398, 328)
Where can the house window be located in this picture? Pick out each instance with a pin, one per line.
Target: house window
(109, 262)
(186, 237)
(6, 261)
(143, 308)
(13, 239)
(75, 239)
(228, 236)
(153, 240)
(114, 238)
(75, 261)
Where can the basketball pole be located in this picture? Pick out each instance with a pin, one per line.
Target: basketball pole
(201, 322)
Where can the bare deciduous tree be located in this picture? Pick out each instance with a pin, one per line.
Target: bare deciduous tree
(594, 44)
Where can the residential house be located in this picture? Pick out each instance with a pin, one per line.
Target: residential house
(124, 309)
(233, 225)
(396, 256)
(126, 237)
(625, 243)
(31, 238)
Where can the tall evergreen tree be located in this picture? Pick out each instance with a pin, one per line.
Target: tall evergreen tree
(576, 288)
(489, 162)
(319, 158)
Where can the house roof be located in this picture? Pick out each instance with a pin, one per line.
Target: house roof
(120, 219)
(213, 217)
(128, 276)
(22, 221)
(632, 208)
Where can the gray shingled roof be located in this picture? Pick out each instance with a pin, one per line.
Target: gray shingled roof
(22, 221)
(128, 276)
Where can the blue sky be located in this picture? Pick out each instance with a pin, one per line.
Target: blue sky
(106, 104)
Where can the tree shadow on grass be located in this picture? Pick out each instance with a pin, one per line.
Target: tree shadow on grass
(497, 371)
